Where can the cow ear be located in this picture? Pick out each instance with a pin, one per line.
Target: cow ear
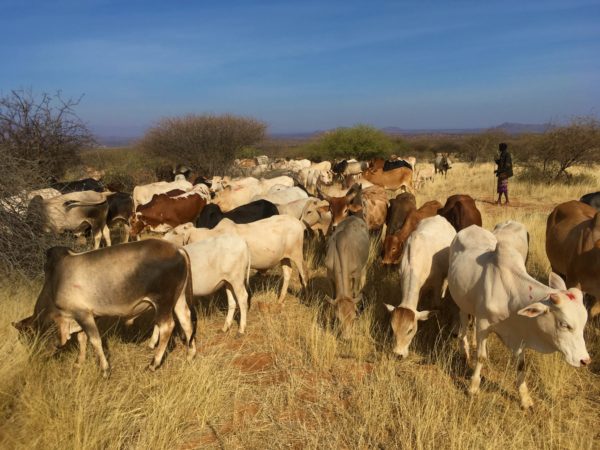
(390, 308)
(424, 315)
(534, 310)
(556, 282)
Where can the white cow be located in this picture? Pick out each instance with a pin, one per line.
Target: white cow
(515, 234)
(423, 268)
(242, 191)
(295, 207)
(272, 241)
(284, 196)
(143, 194)
(295, 165)
(488, 280)
(222, 261)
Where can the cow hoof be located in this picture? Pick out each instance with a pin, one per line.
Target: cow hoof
(106, 374)
(152, 367)
(473, 390)
(239, 335)
(526, 404)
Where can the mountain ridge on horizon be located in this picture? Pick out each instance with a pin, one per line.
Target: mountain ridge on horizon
(117, 140)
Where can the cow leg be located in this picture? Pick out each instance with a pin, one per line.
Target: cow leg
(166, 324)
(462, 335)
(482, 335)
(106, 235)
(184, 315)
(298, 260)
(242, 298)
(126, 232)
(153, 342)
(82, 341)
(230, 309)
(97, 234)
(286, 267)
(87, 322)
(526, 401)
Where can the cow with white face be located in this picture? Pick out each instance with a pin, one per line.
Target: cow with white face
(423, 268)
(488, 280)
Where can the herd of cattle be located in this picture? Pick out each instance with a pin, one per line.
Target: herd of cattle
(214, 233)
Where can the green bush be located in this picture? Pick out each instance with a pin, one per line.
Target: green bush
(361, 141)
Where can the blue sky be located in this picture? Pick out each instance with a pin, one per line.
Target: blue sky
(308, 65)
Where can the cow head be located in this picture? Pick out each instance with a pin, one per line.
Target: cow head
(316, 215)
(346, 313)
(342, 207)
(392, 249)
(404, 325)
(561, 319)
(326, 177)
(180, 235)
(137, 225)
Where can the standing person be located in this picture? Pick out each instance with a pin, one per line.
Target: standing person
(504, 171)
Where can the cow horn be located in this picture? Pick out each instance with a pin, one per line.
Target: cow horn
(330, 300)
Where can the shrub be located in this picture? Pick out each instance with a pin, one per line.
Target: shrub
(206, 143)
(361, 141)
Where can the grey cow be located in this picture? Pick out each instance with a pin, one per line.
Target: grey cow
(75, 211)
(121, 281)
(346, 263)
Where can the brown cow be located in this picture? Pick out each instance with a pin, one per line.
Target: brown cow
(164, 212)
(461, 212)
(399, 209)
(372, 202)
(391, 179)
(573, 247)
(394, 243)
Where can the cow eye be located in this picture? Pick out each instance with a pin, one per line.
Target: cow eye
(564, 325)
(410, 331)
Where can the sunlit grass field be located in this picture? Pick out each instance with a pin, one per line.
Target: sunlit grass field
(290, 382)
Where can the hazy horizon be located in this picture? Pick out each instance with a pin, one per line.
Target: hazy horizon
(306, 66)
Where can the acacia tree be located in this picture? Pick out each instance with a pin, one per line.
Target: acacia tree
(563, 147)
(361, 141)
(43, 132)
(204, 142)
(480, 146)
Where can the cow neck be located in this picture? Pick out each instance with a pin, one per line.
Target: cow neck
(528, 289)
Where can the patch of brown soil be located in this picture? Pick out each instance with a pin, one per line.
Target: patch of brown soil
(255, 362)
(268, 308)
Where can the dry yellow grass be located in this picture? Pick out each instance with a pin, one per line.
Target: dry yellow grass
(291, 383)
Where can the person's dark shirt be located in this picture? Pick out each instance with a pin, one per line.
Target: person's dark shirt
(504, 163)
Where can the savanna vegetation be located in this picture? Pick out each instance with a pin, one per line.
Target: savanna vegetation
(291, 381)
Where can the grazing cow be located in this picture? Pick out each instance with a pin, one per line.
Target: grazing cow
(346, 263)
(592, 199)
(143, 194)
(398, 210)
(372, 200)
(272, 241)
(311, 178)
(222, 261)
(424, 174)
(120, 211)
(316, 216)
(296, 165)
(392, 179)
(295, 207)
(573, 247)
(18, 203)
(121, 281)
(245, 190)
(441, 163)
(515, 234)
(461, 211)
(75, 211)
(423, 268)
(87, 184)
(163, 213)
(211, 214)
(394, 243)
(488, 280)
(348, 167)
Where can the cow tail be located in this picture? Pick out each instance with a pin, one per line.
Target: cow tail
(189, 291)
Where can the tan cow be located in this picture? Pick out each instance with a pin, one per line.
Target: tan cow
(401, 178)
(372, 202)
(573, 247)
